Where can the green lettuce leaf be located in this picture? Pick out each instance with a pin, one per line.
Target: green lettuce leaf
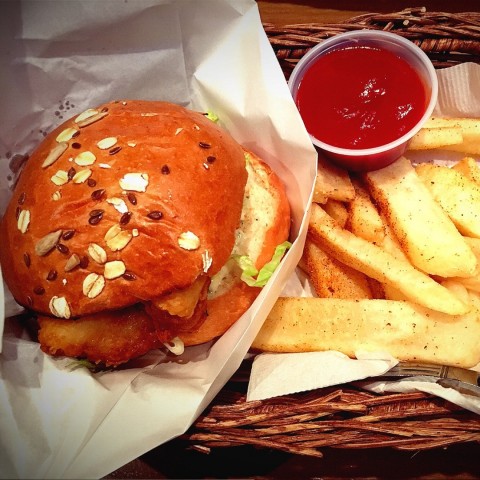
(254, 278)
(81, 363)
(212, 116)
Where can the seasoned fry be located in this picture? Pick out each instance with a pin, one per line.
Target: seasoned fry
(475, 299)
(469, 167)
(407, 331)
(377, 289)
(457, 288)
(390, 244)
(363, 217)
(395, 263)
(470, 128)
(336, 210)
(474, 244)
(473, 282)
(427, 235)
(380, 265)
(331, 278)
(431, 138)
(457, 195)
(470, 145)
(441, 122)
(332, 182)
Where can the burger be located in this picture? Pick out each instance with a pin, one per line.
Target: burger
(137, 225)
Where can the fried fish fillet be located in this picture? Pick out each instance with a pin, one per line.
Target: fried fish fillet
(104, 338)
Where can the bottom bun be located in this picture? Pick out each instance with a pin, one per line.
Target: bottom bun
(114, 337)
(223, 312)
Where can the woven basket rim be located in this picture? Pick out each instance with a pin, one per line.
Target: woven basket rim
(447, 38)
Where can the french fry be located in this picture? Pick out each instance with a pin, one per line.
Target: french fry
(377, 289)
(337, 210)
(470, 128)
(363, 217)
(391, 245)
(440, 122)
(394, 269)
(475, 299)
(457, 288)
(456, 194)
(469, 167)
(474, 244)
(431, 138)
(425, 232)
(378, 264)
(470, 145)
(331, 278)
(407, 331)
(464, 123)
(332, 183)
(473, 282)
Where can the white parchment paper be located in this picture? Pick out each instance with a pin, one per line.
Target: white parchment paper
(57, 59)
(279, 374)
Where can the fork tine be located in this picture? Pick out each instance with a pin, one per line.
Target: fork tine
(409, 369)
(416, 369)
(461, 379)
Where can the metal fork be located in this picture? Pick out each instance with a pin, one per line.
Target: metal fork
(461, 379)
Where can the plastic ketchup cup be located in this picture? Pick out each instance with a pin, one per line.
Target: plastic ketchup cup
(363, 95)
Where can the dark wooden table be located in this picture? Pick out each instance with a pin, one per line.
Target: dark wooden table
(176, 460)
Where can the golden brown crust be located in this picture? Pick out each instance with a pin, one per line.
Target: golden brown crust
(107, 338)
(196, 177)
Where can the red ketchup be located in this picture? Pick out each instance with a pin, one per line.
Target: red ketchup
(360, 97)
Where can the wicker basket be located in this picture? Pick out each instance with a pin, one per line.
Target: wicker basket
(345, 416)
(342, 417)
(447, 38)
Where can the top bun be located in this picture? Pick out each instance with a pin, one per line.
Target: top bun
(124, 203)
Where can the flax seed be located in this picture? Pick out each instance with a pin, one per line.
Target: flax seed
(52, 275)
(68, 234)
(155, 215)
(125, 218)
(132, 198)
(130, 276)
(98, 194)
(62, 248)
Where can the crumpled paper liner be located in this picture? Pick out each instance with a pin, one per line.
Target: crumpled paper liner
(60, 58)
(279, 374)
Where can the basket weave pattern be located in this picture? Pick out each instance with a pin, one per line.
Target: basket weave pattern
(447, 38)
(345, 416)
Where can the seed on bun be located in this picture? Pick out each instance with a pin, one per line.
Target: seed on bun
(121, 223)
